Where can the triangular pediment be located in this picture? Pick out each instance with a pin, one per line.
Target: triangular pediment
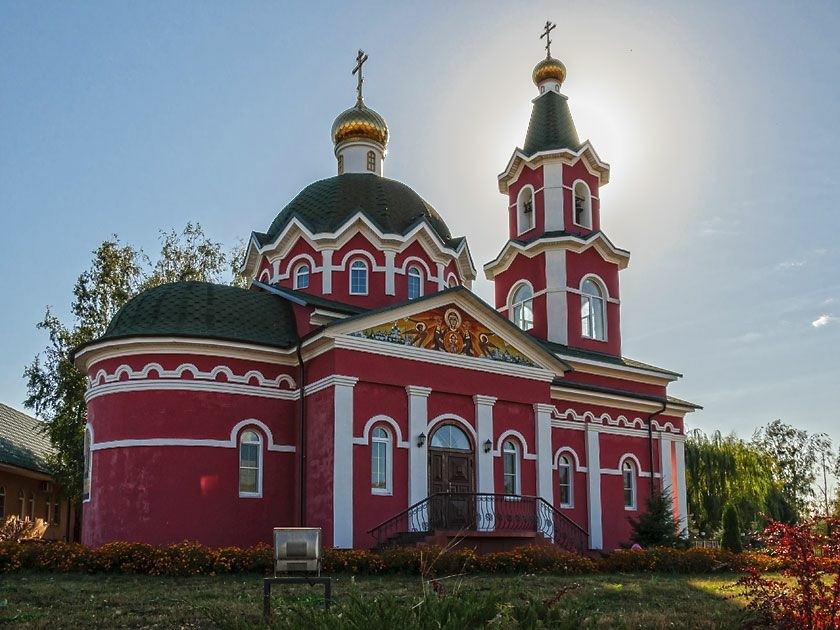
(454, 324)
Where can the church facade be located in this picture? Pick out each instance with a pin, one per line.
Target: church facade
(361, 387)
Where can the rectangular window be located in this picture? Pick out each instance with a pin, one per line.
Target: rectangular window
(629, 490)
(56, 511)
(379, 466)
(510, 473)
(249, 463)
(565, 486)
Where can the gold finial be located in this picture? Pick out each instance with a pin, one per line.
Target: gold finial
(360, 60)
(547, 34)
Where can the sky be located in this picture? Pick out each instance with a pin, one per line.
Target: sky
(720, 121)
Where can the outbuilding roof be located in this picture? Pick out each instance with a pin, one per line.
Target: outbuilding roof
(23, 442)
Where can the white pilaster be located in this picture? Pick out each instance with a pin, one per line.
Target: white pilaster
(680, 483)
(343, 461)
(418, 459)
(326, 271)
(593, 483)
(665, 465)
(542, 429)
(553, 196)
(390, 273)
(484, 468)
(441, 279)
(556, 302)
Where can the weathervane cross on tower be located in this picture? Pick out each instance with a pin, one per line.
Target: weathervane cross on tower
(360, 60)
(547, 34)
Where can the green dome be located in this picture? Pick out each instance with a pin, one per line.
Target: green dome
(391, 205)
(205, 310)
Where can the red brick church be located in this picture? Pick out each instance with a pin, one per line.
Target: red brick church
(361, 387)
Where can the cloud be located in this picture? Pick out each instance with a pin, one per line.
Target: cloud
(750, 337)
(830, 300)
(790, 264)
(714, 226)
(824, 320)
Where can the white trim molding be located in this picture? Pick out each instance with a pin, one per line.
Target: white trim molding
(381, 418)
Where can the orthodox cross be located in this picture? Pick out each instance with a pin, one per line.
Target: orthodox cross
(547, 34)
(360, 60)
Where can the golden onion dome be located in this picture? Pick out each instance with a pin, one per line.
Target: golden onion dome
(360, 123)
(549, 68)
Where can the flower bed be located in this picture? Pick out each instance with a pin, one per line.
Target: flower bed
(189, 558)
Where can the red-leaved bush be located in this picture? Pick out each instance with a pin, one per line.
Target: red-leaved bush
(810, 599)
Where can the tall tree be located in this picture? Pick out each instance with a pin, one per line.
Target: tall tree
(55, 388)
(796, 456)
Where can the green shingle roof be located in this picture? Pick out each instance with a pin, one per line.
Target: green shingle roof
(391, 205)
(551, 126)
(205, 310)
(22, 440)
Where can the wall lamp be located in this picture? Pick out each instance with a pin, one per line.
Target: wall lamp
(421, 439)
(488, 446)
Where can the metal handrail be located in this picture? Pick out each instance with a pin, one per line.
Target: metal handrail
(482, 512)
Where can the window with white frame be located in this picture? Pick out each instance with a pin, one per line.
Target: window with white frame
(453, 282)
(592, 323)
(88, 463)
(250, 464)
(525, 210)
(302, 276)
(628, 472)
(564, 468)
(31, 506)
(510, 455)
(415, 282)
(380, 461)
(583, 205)
(522, 307)
(358, 277)
(2, 502)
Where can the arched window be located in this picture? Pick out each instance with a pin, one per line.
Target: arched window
(628, 472)
(522, 307)
(2, 502)
(415, 282)
(583, 205)
(250, 464)
(341, 164)
(451, 437)
(592, 311)
(510, 455)
(453, 282)
(302, 276)
(525, 210)
(371, 161)
(88, 465)
(358, 278)
(380, 464)
(31, 506)
(22, 502)
(564, 467)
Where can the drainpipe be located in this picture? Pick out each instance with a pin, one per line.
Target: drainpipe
(650, 445)
(301, 438)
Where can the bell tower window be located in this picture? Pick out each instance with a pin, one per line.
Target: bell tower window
(415, 282)
(522, 307)
(592, 323)
(371, 161)
(302, 277)
(583, 205)
(525, 210)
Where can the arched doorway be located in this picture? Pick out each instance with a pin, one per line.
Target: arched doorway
(451, 478)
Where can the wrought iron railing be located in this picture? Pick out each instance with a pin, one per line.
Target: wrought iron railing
(461, 511)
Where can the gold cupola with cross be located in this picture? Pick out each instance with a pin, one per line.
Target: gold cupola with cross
(360, 134)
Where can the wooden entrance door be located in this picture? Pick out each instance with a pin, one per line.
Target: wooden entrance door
(452, 480)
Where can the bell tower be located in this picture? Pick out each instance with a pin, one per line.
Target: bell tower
(557, 275)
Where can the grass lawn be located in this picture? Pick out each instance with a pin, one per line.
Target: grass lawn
(37, 600)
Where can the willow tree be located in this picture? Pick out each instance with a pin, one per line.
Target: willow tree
(722, 470)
